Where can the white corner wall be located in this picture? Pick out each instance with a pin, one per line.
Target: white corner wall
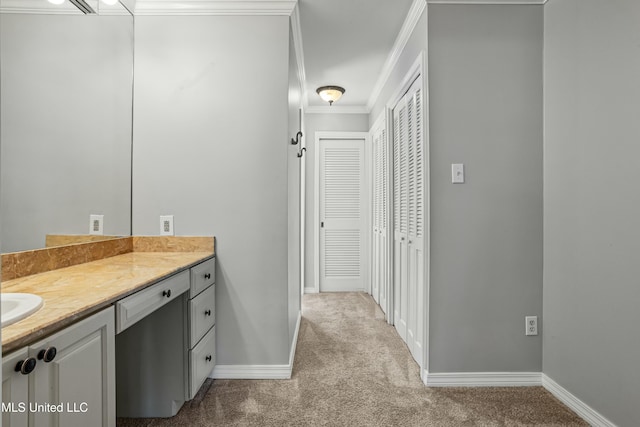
(591, 343)
(211, 148)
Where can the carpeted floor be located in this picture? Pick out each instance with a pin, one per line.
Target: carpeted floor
(352, 369)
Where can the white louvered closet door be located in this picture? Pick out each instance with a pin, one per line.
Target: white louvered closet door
(409, 214)
(342, 215)
(380, 262)
(400, 279)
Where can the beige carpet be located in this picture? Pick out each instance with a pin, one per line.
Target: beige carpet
(352, 369)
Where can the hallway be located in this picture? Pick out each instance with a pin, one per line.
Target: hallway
(352, 369)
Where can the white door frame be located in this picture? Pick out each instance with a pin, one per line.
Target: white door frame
(419, 68)
(316, 198)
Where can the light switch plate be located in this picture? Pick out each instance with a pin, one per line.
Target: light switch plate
(457, 173)
(166, 225)
(96, 224)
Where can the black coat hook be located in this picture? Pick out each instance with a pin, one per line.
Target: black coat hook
(301, 152)
(297, 140)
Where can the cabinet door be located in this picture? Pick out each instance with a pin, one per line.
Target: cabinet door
(80, 380)
(15, 391)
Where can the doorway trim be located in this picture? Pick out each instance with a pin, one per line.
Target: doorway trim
(316, 199)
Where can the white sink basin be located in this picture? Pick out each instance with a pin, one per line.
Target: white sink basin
(17, 306)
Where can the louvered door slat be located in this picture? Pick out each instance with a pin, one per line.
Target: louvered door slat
(419, 169)
(396, 171)
(403, 169)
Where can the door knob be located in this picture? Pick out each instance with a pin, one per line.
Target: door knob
(48, 354)
(166, 293)
(26, 366)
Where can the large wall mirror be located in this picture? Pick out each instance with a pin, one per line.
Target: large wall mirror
(66, 92)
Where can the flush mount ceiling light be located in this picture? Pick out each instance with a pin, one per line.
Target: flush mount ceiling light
(330, 93)
(110, 2)
(56, 1)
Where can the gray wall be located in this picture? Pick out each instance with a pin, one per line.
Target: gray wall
(592, 203)
(485, 84)
(66, 84)
(416, 45)
(295, 92)
(321, 123)
(211, 148)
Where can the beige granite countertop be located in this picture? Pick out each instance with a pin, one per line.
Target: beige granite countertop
(75, 292)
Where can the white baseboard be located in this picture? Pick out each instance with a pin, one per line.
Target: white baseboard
(259, 372)
(483, 379)
(311, 290)
(578, 406)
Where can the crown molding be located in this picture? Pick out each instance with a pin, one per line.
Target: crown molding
(296, 28)
(215, 7)
(337, 109)
(41, 7)
(521, 2)
(408, 26)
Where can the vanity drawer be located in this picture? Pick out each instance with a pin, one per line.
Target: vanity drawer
(202, 313)
(202, 359)
(137, 306)
(202, 276)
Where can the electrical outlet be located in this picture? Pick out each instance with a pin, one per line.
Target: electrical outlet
(531, 325)
(166, 225)
(96, 224)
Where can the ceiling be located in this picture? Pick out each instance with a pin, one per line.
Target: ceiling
(346, 43)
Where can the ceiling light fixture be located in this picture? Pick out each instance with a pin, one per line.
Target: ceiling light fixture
(110, 2)
(330, 93)
(56, 1)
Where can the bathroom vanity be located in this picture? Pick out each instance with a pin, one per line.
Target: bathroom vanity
(127, 335)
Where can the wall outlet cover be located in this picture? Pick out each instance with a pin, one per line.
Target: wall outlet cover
(96, 224)
(531, 325)
(166, 225)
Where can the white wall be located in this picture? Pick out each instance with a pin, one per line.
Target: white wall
(485, 88)
(211, 147)
(321, 123)
(66, 125)
(592, 203)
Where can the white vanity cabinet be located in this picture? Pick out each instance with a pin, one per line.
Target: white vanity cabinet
(73, 379)
(16, 368)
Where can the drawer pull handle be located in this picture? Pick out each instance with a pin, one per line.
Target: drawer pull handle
(207, 313)
(26, 366)
(207, 276)
(208, 358)
(166, 293)
(48, 354)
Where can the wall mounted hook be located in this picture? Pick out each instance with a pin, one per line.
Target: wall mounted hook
(297, 140)
(301, 152)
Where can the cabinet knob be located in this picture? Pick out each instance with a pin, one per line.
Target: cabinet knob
(166, 293)
(207, 313)
(207, 276)
(208, 358)
(26, 366)
(48, 354)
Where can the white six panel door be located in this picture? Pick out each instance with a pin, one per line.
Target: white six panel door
(342, 215)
